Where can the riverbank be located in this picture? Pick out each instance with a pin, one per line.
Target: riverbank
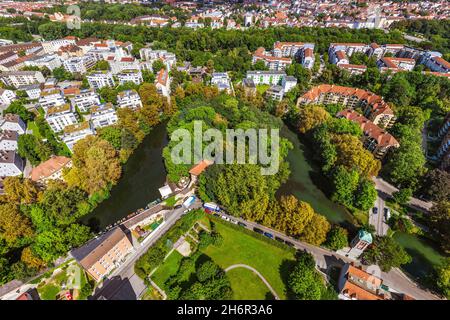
(142, 176)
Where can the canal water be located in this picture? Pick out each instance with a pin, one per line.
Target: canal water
(144, 173)
(304, 180)
(142, 176)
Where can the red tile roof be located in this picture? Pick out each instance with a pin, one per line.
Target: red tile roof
(200, 167)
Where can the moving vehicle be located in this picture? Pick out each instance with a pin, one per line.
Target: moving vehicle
(242, 224)
(375, 210)
(257, 230)
(268, 235)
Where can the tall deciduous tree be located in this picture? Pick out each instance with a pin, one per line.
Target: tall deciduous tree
(13, 224)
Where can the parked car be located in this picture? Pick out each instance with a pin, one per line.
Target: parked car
(177, 206)
(279, 239)
(242, 224)
(375, 210)
(387, 213)
(216, 214)
(257, 230)
(233, 221)
(290, 244)
(225, 218)
(268, 235)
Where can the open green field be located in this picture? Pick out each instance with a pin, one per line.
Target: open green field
(167, 269)
(33, 127)
(238, 247)
(247, 285)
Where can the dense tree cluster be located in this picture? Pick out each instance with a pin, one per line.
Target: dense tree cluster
(386, 253)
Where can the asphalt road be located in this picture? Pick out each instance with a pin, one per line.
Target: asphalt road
(124, 276)
(325, 259)
(378, 220)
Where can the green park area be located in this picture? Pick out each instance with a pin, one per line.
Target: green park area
(238, 246)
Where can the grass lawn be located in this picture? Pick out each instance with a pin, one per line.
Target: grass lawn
(167, 269)
(33, 127)
(247, 285)
(238, 247)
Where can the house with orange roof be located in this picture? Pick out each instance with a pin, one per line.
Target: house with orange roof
(51, 169)
(200, 167)
(375, 139)
(373, 106)
(356, 284)
(162, 82)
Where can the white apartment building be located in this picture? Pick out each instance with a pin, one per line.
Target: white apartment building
(222, 81)
(51, 98)
(100, 79)
(396, 64)
(60, 117)
(51, 61)
(7, 96)
(8, 140)
(119, 64)
(12, 122)
(266, 77)
(103, 115)
(21, 78)
(33, 91)
(10, 164)
(129, 99)
(132, 75)
(163, 83)
(348, 48)
(79, 64)
(75, 132)
(85, 100)
(150, 55)
(54, 45)
(435, 62)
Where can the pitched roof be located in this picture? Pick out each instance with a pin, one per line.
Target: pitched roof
(49, 167)
(200, 167)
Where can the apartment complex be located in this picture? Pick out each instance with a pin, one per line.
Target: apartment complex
(11, 164)
(85, 100)
(99, 79)
(103, 254)
(103, 115)
(75, 132)
(373, 106)
(279, 82)
(129, 99)
(51, 169)
(375, 139)
(59, 117)
(21, 78)
(13, 122)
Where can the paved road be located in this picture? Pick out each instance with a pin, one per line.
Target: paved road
(124, 275)
(234, 266)
(325, 259)
(385, 190)
(378, 219)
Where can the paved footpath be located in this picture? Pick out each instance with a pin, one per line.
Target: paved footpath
(234, 266)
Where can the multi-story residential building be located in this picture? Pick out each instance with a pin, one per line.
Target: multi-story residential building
(356, 284)
(12, 122)
(103, 115)
(8, 57)
(79, 64)
(54, 45)
(278, 80)
(33, 91)
(273, 63)
(129, 99)
(75, 132)
(303, 52)
(150, 55)
(353, 69)
(8, 140)
(7, 96)
(338, 57)
(348, 48)
(100, 79)
(51, 61)
(132, 75)
(60, 117)
(222, 81)
(396, 64)
(85, 100)
(51, 98)
(379, 52)
(119, 64)
(443, 153)
(375, 139)
(163, 83)
(11, 164)
(50, 170)
(104, 253)
(435, 62)
(21, 78)
(372, 105)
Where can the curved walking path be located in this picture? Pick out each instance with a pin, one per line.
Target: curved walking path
(234, 266)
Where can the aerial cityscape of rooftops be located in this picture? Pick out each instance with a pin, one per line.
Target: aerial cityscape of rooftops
(353, 96)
